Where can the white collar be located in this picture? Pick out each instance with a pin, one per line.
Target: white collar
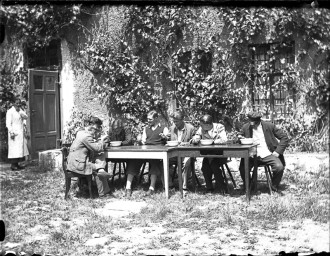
(154, 127)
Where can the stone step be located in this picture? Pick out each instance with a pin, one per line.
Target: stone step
(51, 159)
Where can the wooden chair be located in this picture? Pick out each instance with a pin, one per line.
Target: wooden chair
(194, 178)
(68, 174)
(118, 171)
(143, 172)
(222, 168)
(268, 174)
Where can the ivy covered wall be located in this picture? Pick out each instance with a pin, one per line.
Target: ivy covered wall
(113, 56)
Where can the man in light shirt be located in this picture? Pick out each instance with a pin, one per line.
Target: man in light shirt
(211, 166)
(182, 132)
(271, 140)
(153, 134)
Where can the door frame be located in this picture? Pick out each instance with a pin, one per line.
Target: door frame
(33, 152)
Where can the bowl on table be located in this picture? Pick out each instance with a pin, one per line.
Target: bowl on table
(247, 141)
(206, 142)
(172, 143)
(115, 143)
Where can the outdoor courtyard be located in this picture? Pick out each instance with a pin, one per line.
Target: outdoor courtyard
(118, 81)
(39, 220)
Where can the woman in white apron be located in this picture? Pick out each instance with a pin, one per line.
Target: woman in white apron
(17, 144)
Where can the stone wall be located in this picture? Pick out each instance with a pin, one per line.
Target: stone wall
(67, 79)
(76, 81)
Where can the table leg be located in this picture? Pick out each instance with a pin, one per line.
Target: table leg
(193, 177)
(165, 163)
(255, 174)
(247, 176)
(179, 164)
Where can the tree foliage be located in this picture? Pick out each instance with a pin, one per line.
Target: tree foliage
(37, 25)
(33, 26)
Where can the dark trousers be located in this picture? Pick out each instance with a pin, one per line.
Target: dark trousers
(101, 180)
(276, 163)
(212, 166)
(134, 165)
(14, 161)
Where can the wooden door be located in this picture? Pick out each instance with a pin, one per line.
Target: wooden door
(44, 110)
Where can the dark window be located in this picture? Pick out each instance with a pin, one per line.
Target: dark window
(184, 61)
(37, 81)
(203, 59)
(272, 89)
(205, 62)
(49, 56)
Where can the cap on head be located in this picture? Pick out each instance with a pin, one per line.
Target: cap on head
(93, 121)
(254, 116)
(178, 115)
(206, 119)
(96, 121)
(153, 114)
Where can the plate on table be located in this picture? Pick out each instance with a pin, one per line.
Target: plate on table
(247, 141)
(172, 143)
(185, 144)
(115, 143)
(206, 142)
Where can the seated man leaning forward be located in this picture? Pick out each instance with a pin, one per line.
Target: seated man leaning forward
(271, 141)
(153, 134)
(118, 132)
(217, 133)
(182, 132)
(86, 157)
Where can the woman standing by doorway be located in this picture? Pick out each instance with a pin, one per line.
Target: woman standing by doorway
(17, 143)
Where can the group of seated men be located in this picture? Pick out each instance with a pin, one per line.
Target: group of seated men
(86, 155)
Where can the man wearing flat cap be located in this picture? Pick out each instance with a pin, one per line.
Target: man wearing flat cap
(271, 141)
(86, 155)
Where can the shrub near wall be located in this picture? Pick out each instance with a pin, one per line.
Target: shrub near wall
(3, 137)
(305, 136)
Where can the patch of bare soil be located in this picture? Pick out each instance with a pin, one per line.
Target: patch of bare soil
(303, 236)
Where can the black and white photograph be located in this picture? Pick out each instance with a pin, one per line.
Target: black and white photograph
(164, 128)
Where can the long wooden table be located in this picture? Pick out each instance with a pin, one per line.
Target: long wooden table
(165, 153)
(219, 151)
(145, 152)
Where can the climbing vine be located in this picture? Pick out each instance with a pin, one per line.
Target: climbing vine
(151, 51)
(163, 52)
(37, 25)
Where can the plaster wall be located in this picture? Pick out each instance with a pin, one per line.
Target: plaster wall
(67, 85)
(76, 81)
(75, 90)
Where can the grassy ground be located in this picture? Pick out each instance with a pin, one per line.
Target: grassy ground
(38, 219)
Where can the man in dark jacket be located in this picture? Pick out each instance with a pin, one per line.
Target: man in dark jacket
(86, 155)
(118, 132)
(271, 141)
